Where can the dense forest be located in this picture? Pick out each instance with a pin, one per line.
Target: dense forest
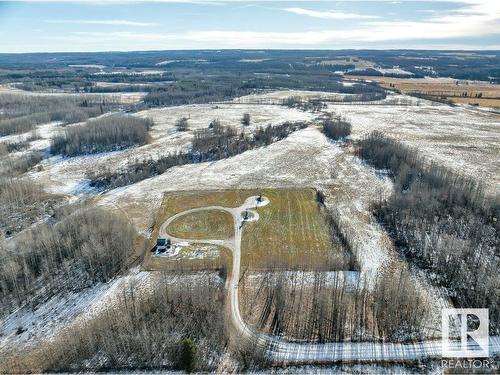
(326, 307)
(177, 326)
(441, 222)
(80, 246)
(21, 113)
(62, 68)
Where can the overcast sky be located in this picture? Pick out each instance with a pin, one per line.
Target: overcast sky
(125, 25)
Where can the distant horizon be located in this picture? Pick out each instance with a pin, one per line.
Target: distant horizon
(62, 26)
(251, 49)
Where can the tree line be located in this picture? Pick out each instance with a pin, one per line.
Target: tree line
(107, 133)
(442, 222)
(192, 91)
(329, 307)
(80, 247)
(21, 113)
(214, 143)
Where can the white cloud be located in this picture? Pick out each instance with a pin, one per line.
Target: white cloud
(470, 21)
(103, 22)
(327, 15)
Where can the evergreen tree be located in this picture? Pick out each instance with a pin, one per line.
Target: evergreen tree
(188, 355)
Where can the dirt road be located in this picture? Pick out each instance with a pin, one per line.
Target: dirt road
(283, 351)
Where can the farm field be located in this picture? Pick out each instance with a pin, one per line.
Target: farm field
(70, 175)
(464, 140)
(445, 88)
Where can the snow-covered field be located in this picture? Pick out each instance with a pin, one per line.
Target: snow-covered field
(68, 175)
(459, 138)
(121, 97)
(462, 139)
(394, 70)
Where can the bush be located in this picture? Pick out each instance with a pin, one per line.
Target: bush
(336, 128)
(245, 120)
(188, 355)
(4, 150)
(182, 124)
(14, 166)
(22, 203)
(103, 134)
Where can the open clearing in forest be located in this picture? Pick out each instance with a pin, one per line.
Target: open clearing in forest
(292, 232)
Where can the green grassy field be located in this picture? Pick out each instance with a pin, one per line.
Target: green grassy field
(292, 232)
(203, 225)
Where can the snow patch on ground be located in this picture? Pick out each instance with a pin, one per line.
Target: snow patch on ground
(47, 320)
(459, 138)
(69, 175)
(331, 278)
(394, 71)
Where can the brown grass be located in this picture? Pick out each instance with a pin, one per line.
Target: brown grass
(450, 90)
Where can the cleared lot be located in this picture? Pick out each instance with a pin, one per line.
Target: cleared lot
(202, 225)
(291, 233)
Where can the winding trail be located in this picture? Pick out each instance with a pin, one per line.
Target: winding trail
(283, 351)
